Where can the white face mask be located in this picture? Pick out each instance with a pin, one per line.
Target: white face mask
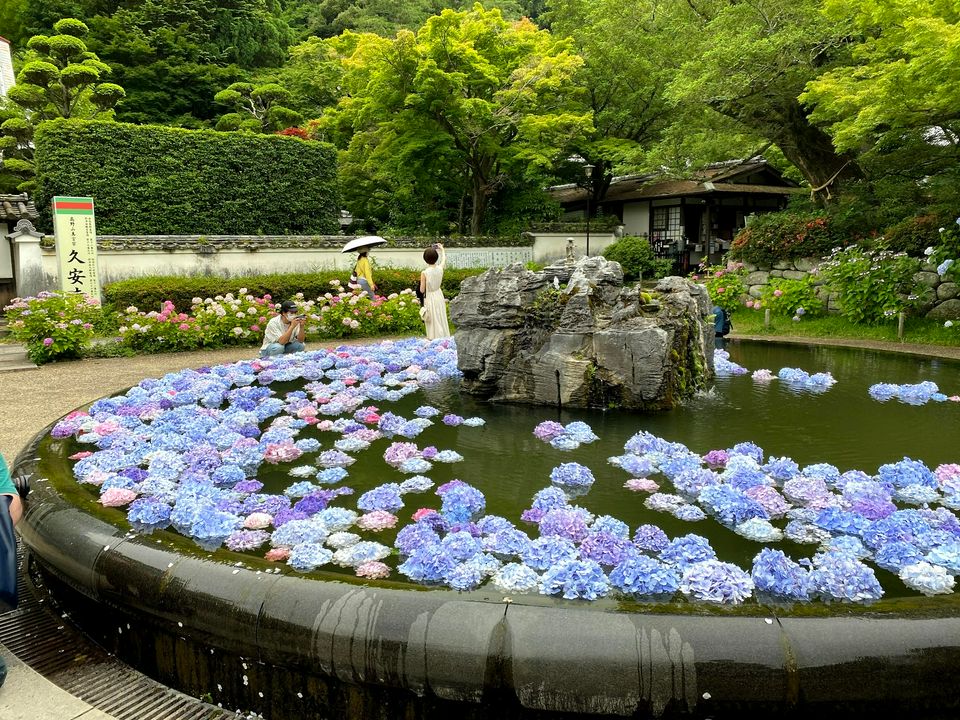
(291, 317)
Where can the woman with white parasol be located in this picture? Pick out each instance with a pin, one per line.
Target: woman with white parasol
(362, 276)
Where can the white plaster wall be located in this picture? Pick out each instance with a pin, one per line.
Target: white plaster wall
(636, 218)
(6, 68)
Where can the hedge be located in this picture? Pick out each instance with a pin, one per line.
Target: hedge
(149, 292)
(152, 180)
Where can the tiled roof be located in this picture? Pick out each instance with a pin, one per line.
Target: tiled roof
(710, 179)
(17, 207)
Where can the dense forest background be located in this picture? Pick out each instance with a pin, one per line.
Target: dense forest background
(453, 116)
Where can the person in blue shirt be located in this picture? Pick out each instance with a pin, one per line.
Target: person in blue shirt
(721, 325)
(7, 487)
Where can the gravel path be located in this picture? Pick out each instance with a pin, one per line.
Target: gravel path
(33, 399)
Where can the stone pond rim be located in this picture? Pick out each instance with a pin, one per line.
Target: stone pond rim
(288, 645)
(583, 341)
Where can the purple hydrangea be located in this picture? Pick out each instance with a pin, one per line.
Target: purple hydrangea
(650, 538)
(545, 552)
(573, 475)
(686, 550)
(383, 497)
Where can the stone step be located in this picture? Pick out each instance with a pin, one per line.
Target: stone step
(14, 357)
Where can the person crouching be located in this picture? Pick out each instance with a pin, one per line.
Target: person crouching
(285, 332)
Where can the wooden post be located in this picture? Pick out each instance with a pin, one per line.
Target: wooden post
(900, 321)
(766, 319)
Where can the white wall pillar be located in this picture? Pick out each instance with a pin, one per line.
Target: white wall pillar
(28, 260)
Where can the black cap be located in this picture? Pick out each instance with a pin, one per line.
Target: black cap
(288, 306)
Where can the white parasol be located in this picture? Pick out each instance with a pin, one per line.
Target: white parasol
(362, 242)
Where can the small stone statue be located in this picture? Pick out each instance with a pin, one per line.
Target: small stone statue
(570, 258)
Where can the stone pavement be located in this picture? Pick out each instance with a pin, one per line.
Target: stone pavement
(34, 399)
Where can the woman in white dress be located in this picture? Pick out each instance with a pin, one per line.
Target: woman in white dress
(434, 312)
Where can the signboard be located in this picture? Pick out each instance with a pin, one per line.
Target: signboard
(76, 237)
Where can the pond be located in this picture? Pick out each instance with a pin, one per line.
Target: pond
(842, 426)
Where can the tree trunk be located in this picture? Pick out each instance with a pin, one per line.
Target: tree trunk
(479, 209)
(811, 150)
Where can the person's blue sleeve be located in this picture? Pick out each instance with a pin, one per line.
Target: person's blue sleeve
(6, 482)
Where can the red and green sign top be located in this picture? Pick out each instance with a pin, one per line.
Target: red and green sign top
(72, 206)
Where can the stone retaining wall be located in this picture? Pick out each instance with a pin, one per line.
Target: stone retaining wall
(944, 298)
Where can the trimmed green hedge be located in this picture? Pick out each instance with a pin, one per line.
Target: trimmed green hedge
(152, 180)
(149, 293)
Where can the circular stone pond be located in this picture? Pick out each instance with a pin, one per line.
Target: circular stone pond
(680, 597)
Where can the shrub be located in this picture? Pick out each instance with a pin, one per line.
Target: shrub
(785, 297)
(150, 292)
(53, 326)
(872, 285)
(637, 259)
(152, 180)
(784, 236)
(724, 285)
(912, 235)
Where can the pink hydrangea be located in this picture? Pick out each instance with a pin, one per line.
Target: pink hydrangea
(281, 452)
(641, 485)
(422, 513)
(278, 554)
(373, 569)
(377, 520)
(257, 520)
(80, 455)
(117, 497)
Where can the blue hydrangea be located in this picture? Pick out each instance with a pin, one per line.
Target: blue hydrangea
(308, 556)
(572, 475)
(548, 551)
(642, 575)
(298, 531)
(611, 525)
(583, 579)
(506, 541)
(847, 544)
(895, 555)
(638, 466)
(568, 522)
(781, 468)
(686, 550)
(336, 519)
(414, 536)
(417, 483)
(299, 489)
(462, 502)
(729, 505)
(490, 524)
(461, 545)
(774, 573)
(427, 563)
(749, 449)
(383, 497)
(907, 472)
(516, 578)
(838, 576)
(606, 549)
(331, 476)
(149, 511)
(690, 483)
(841, 521)
(716, 582)
(946, 555)
(650, 538)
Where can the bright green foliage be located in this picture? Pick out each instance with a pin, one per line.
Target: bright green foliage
(448, 117)
(60, 79)
(53, 326)
(149, 293)
(724, 285)
(16, 147)
(784, 297)
(905, 71)
(872, 285)
(785, 236)
(637, 259)
(261, 108)
(913, 235)
(156, 180)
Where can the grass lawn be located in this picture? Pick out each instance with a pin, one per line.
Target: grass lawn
(916, 330)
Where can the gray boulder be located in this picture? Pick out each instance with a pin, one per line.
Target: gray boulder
(591, 343)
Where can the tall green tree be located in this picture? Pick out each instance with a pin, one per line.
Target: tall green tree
(749, 61)
(470, 101)
(261, 108)
(60, 79)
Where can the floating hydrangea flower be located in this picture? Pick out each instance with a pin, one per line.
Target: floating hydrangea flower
(334, 458)
(335, 519)
(580, 431)
(117, 497)
(400, 451)
(452, 420)
(426, 411)
(895, 555)
(428, 564)
(605, 548)
(340, 540)
(907, 472)
(729, 505)
(946, 555)
(774, 573)
(308, 556)
(516, 578)
(373, 570)
(572, 475)
(759, 530)
(244, 540)
(564, 442)
(300, 489)
(688, 513)
(545, 552)
(295, 532)
(838, 576)
(686, 550)
(805, 532)
(303, 471)
(650, 538)
(575, 579)
(641, 485)
(716, 458)
(644, 576)
(280, 554)
(548, 430)
(415, 536)
(506, 541)
(331, 475)
(448, 456)
(474, 422)
(377, 520)
(723, 366)
(762, 375)
(716, 582)
(462, 502)
(360, 553)
(664, 502)
(417, 466)
(418, 483)
(928, 579)
(257, 521)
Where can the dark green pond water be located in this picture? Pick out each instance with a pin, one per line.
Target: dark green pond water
(843, 426)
